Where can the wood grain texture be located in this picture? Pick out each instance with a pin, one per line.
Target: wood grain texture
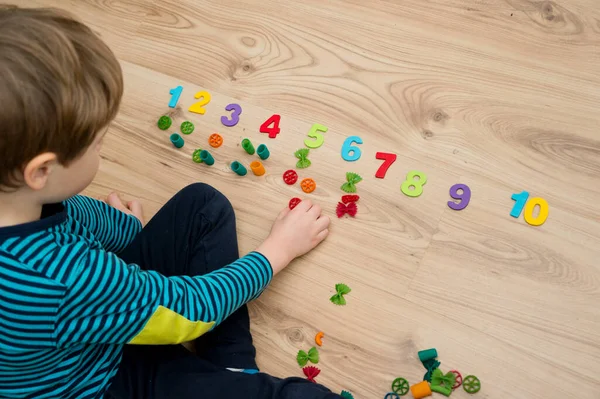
(501, 95)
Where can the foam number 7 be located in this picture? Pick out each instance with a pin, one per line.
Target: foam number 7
(523, 201)
(198, 107)
(464, 197)
(351, 152)
(175, 93)
(416, 184)
(235, 115)
(388, 159)
(273, 131)
(318, 137)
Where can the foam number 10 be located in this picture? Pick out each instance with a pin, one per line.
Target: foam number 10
(318, 137)
(351, 152)
(464, 197)
(522, 202)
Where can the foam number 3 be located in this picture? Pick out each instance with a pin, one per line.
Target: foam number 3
(416, 184)
(198, 107)
(464, 197)
(318, 137)
(175, 93)
(235, 115)
(351, 152)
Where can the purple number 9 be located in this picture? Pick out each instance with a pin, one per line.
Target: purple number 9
(464, 197)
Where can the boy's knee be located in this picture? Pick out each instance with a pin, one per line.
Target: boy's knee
(206, 196)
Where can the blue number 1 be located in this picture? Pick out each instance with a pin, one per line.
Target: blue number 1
(175, 93)
(521, 200)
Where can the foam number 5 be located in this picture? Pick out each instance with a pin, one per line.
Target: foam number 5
(416, 184)
(318, 137)
(198, 107)
(388, 159)
(235, 115)
(175, 93)
(529, 205)
(351, 152)
(464, 197)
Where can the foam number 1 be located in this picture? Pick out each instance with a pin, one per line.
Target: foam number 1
(235, 115)
(198, 107)
(175, 93)
(416, 184)
(388, 159)
(529, 205)
(318, 137)
(351, 152)
(464, 197)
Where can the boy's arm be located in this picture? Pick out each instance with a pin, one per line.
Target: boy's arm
(112, 228)
(109, 301)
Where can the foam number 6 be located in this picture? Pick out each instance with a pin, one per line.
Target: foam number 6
(348, 148)
(235, 115)
(318, 137)
(416, 184)
(198, 107)
(464, 197)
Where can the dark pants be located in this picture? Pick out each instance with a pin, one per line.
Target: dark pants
(194, 234)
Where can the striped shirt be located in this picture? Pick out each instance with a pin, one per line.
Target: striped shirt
(68, 303)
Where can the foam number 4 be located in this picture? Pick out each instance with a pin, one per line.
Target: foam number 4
(235, 115)
(318, 137)
(198, 107)
(416, 184)
(523, 201)
(464, 197)
(351, 152)
(274, 130)
(175, 93)
(388, 159)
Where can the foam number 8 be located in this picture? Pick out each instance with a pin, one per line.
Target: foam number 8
(416, 184)
(198, 107)
(348, 149)
(464, 197)
(318, 137)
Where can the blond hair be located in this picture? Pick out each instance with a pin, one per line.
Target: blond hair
(60, 85)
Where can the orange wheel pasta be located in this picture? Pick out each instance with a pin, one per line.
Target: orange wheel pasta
(308, 185)
(215, 140)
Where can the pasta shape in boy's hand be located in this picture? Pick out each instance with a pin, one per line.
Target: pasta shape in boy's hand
(294, 233)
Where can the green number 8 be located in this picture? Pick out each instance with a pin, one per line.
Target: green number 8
(416, 184)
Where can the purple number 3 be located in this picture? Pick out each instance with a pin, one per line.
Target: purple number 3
(464, 197)
(235, 115)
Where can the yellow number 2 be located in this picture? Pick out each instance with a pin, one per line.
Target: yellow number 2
(198, 107)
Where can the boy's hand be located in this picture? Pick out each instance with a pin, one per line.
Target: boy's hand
(131, 207)
(294, 233)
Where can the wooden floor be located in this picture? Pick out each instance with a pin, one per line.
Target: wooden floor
(502, 95)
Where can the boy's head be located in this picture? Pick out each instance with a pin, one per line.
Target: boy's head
(60, 86)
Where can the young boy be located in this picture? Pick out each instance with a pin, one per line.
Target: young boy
(91, 304)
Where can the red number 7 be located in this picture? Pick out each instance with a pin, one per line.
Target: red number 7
(388, 160)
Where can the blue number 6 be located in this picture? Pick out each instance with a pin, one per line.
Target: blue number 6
(351, 152)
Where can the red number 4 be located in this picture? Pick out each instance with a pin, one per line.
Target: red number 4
(388, 159)
(273, 131)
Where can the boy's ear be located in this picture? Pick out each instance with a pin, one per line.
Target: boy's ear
(38, 170)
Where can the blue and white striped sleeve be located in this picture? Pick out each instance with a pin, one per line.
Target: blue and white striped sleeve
(112, 228)
(109, 301)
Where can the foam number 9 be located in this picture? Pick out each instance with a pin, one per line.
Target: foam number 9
(464, 197)
(416, 184)
(318, 137)
(198, 107)
(351, 152)
(235, 115)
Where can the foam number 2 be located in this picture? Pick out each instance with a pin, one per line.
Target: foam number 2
(273, 131)
(175, 93)
(351, 152)
(464, 197)
(388, 159)
(235, 115)
(318, 137)
(529, 205)
(416, 184)
(198, 107)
